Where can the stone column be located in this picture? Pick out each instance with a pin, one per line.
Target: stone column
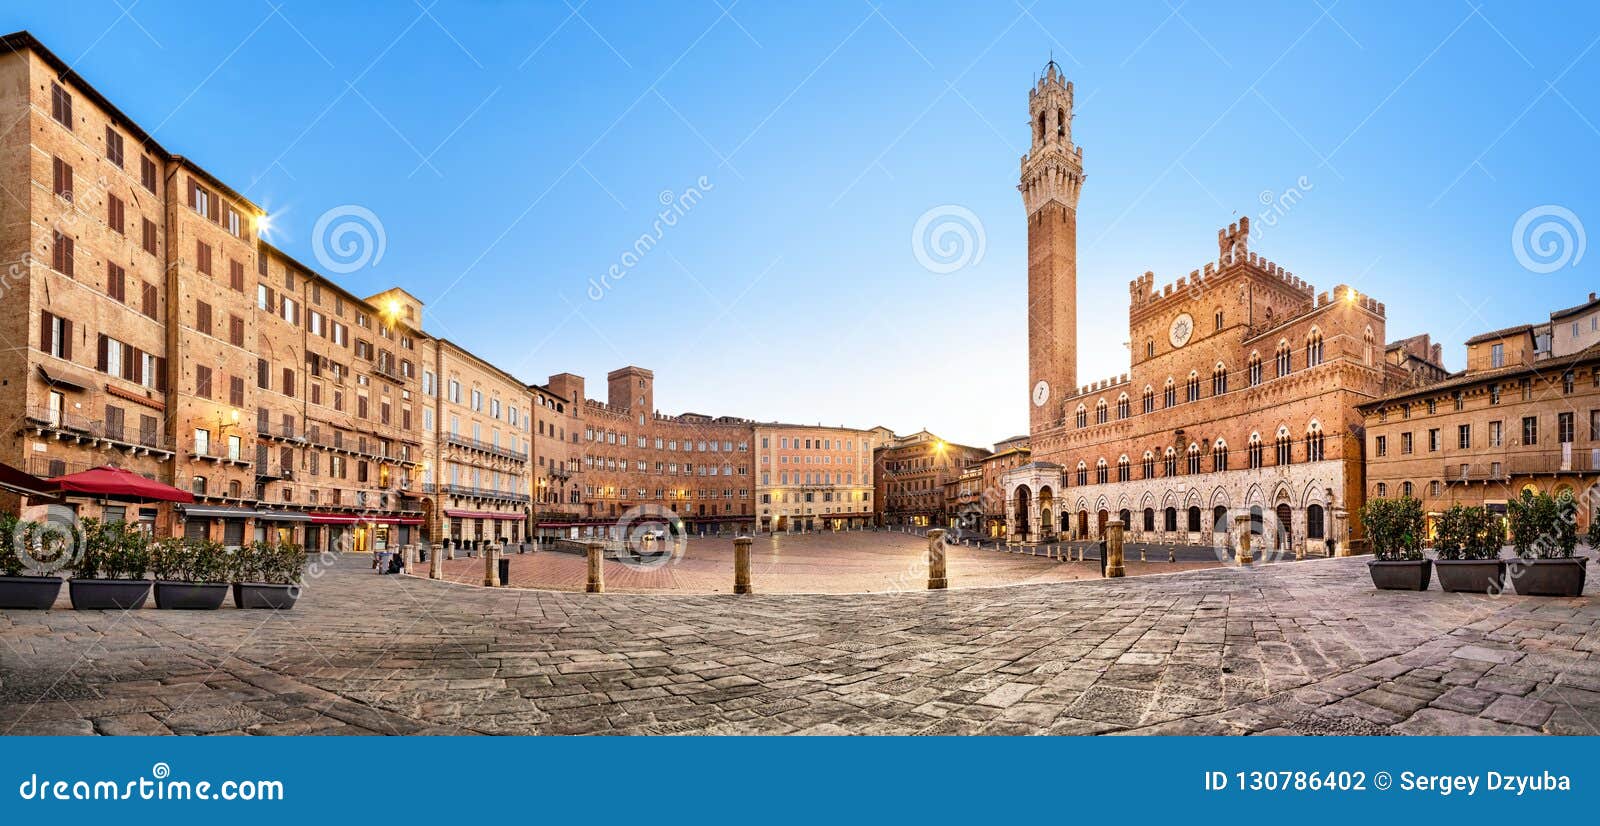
(597, 581)
(1244, 539)
(937, 581)
(1341, 543)
(436, 562)
(1113, 538)
(491, 576)
(741, 565)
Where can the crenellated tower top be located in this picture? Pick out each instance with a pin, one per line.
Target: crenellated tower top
(1053, 167)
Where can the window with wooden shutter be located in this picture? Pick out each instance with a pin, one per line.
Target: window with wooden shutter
(116, 282)
(61, 105)
(102, 344)
(115, 215)
(61, 254)
(288, 381)
(128, 362)
(47, 332)
(149, 239)
(147, 430)
(202, 317)
(161, 374)
(236, 275)
(236, 391)
(202, 257)
(236, 330)
(202, 381)
(147, 172)
(113, 423)
(113, 146)
(149, 300)
(262, 374)
(62, 178)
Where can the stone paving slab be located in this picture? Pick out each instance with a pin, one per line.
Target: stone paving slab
(1305, 648)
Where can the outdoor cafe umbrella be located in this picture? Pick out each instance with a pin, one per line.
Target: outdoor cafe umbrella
(27, 484)
(107, 482)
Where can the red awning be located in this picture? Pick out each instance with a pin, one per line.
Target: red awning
(398, 520)
(355, 519)
(334, 519)
(116, 483)
(483, 515)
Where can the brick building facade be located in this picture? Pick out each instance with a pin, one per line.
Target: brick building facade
(909, 476)
(1523, 415)
(811, 477)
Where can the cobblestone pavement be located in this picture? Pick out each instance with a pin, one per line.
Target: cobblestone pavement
(842, 563)
(1300, 648)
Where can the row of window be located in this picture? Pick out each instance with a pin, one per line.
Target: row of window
(1191, 390)
(1193, 460)
(1566, 432)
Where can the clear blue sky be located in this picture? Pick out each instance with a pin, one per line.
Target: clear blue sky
(513, 152)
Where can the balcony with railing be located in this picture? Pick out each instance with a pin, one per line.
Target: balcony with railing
(482, 493)
(484, 447)
(66, 425)
(1503, 467)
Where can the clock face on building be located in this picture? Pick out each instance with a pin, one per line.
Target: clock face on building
(1180, 331)
(1041, 393)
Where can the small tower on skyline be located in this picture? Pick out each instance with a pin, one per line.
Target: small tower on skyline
(1052, 177)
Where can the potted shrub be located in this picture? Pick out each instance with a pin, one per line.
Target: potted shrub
(1394, 527)
(190, 573)
(110, 572)
(267, 575)
(1468, 546)
(1592, 538)
(21, 585)
(1544, 534)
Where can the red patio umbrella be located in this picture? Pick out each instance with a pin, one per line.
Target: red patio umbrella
(117, 483)
(17, 481)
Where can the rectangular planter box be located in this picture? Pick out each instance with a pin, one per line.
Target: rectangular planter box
(1401, 574)
(1472, 576)
(1550, 577)
(29, 592)
(191, 596)
(262, 595)
(107, 594)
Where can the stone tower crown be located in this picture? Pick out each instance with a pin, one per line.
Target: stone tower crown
(1053, 168)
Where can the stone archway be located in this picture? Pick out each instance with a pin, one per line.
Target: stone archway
(1047, 525)
(1021, 506)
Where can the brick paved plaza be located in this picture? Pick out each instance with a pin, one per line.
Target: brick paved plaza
(818, 563)
(1289, 648)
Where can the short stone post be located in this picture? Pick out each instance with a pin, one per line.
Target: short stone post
(449, 549)
(741, 565)
(1141, 552)
(1244, 540)
(597, 580)
(436, 562)
(937, 581)
(491, 576)
(1172, 553)
(1114, 566)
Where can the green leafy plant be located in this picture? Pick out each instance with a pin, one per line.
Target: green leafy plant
(191, 560)
(11, 557)
(1394, 527)
(1543, 526)
(271, 563)
(111, 550)
(1466, 532)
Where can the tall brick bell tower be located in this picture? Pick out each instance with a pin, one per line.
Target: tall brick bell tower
(1052, 175)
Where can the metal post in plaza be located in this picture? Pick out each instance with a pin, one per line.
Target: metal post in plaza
(597, 583)
(741, 565)
(937, 581)
(1114, 549)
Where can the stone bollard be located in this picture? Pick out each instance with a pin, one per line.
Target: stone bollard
(449, 550)
(436, 562)
(937, 581)
(491, 576)
(1244, 541)
(1141, 553)
(1172, 554)
(1300, 552)
(597, 580)
(741, 565)
(1114, 566)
